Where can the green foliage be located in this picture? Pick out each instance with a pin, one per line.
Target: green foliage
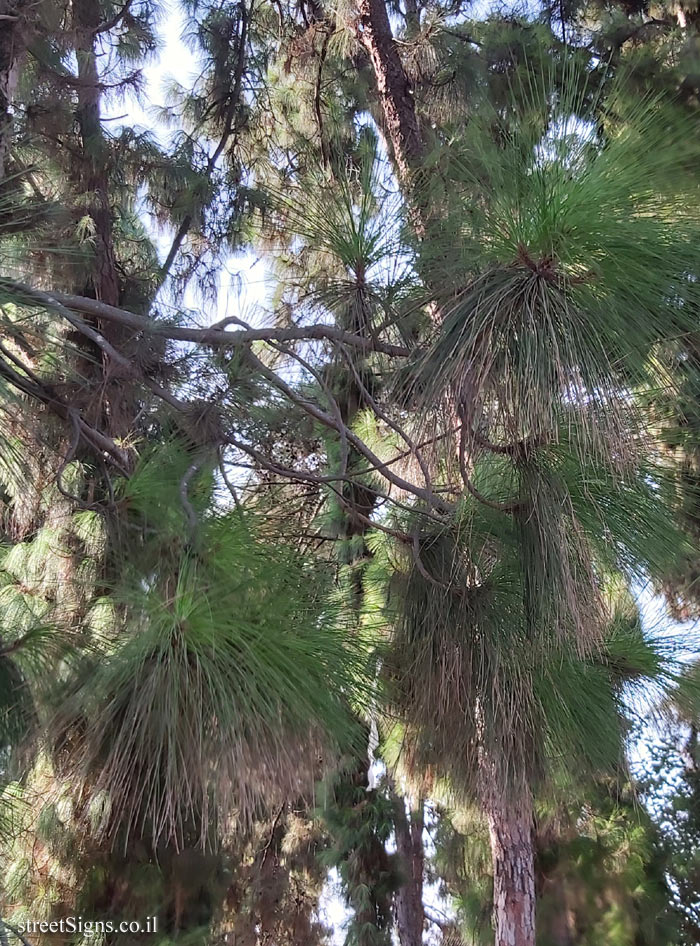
(360, 821)
(219, 659)
(601, 870)
(578, 240)
(229, 674)
(505, 633)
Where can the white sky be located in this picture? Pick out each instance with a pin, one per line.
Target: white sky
(243, 285)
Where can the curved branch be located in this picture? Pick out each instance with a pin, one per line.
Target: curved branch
(45, 395)
(512, 506)
(382, 415)
(328, 421)
(13, 929)
(113, 21)
(63, 303)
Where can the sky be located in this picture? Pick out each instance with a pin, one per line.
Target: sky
(243, 284)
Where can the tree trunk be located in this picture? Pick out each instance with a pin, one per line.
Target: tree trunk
(12, 26)
(410, 916)
(397, 104)
(393, 86)
(400, 120)
(113, 403)
(513, 854)
(93, 166)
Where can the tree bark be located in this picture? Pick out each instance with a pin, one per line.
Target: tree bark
(114, 404)
(93, 170)
(410, 915)
(393, 86)
(400, 119)
(513, 854)
(12, 47)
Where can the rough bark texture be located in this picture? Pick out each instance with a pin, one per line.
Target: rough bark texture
(113, 405)
(399, 114)
(512, 851)
(393, 86)
(12, 43)
(410, 916)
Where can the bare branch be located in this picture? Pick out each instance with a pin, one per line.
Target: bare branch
(511, 506)
(229, 485)
(13, 929)
(213, 337)
(382, 415)
(47, 396)
(113, 21)
(317, 479)
(332, 402)
(328, 421)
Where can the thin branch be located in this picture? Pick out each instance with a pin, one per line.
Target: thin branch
(45, 395)
(472, 490)
(227, 482)
(461, 36)
(13, 929)
(70, 454)
(266, 850)
(328, 421)
(332, 402)
(113, 21)
(520, 449)
(415, 547)
(317, 479)
(230, 129)
(382, 415)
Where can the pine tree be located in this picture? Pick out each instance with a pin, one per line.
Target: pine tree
(444, 447)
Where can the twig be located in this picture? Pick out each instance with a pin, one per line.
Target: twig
(229, 485)
(272, 835)
(13, 929)
(45, 395)
(72, 450)
(328, 421)
(109, 24)
(512, 506)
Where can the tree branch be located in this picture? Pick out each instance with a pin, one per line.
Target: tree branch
(63, 303)
(45, 395)
(113, 21)
(230, 128)
(331, 422)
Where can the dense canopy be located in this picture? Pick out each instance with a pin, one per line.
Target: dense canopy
(356, 607)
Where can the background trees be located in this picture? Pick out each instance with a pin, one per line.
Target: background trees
(407, 506)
